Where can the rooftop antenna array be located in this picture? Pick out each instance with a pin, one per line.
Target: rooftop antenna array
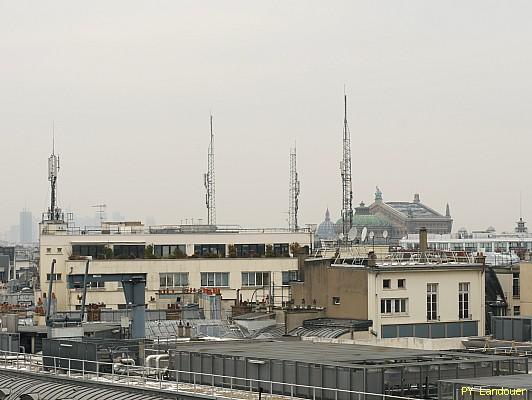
(345, 169)
(293, 192)
(54, 213)
(101, 212)
(210, 184)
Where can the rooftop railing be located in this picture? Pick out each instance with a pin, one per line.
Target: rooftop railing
(407, 258)
(165, 229)
(174, 382)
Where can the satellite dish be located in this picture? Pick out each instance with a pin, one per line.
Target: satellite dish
(352, 235)
(364, 234)
(385, 234)
(371, 235)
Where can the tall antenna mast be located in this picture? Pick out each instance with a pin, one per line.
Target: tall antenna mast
(293, 192)
(54, 212)
(345, 169)
(210, 184)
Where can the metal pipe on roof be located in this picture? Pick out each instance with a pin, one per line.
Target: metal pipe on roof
(49, 299)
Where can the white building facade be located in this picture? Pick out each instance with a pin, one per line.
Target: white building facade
(252, 264)
(431, 301)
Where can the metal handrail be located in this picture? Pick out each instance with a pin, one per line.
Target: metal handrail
(153, 378)
(168, 229)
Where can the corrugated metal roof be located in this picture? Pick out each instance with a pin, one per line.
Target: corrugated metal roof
(18, 385)
(319, 332)
(348, 355)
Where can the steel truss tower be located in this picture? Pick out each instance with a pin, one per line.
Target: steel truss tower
(293, 192)
(54, 212)
(345, 169)
(210, 184)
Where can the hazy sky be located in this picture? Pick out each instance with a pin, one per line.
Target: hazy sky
(440, 103)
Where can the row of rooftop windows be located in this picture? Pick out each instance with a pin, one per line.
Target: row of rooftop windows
(179, 251)
(208, 279)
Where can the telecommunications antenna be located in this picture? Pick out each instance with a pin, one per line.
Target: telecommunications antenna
(385, 234)
(364, 234)
(371, 235)
(352, 235)
(341, 236)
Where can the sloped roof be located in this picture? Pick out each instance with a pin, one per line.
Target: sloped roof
(330, 327)
(414, 209)
(55, 389)
(324, 332)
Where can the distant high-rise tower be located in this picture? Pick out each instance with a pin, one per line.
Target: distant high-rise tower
(54, 213)
(345, 169)
(26, 226)
(210, 184)
(293, 192)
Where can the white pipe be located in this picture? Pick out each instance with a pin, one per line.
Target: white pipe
(158, 358)
(149, 358)
(127, 361)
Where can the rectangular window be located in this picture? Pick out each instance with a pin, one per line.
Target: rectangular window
(386, 306)
(56, 277)
(432, 301)
(463, 300)
(516, 289)
(209, 250)
(255, 278)
(90, 285)
(401, 283)
(517, 310)
(128, 251)
(95, 285)
(215, 279)
(170, 250)
(173, 279)
(84, 250)
(250, 250)
(336, 300)
(290, 276)
(394, 306)
(281, 249)
(386, 284)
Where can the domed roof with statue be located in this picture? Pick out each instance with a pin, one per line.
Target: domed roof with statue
(363, 218)
(326, 229)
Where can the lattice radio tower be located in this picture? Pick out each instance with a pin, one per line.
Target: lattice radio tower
(54, 213)
(293, 192)
(210, 184)
(345, 168)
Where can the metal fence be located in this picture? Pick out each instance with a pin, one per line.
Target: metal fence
(184, 382)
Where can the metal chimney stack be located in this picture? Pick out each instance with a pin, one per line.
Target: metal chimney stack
(423, 244)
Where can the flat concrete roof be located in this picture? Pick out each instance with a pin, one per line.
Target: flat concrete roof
(347, 355)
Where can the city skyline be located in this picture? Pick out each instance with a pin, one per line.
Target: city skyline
(131, 91)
